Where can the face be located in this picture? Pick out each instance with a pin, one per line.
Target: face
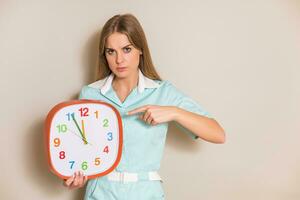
(122, 57)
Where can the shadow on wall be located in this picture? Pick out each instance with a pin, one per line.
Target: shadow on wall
(37, 165)
(177, 139)
(90, 58)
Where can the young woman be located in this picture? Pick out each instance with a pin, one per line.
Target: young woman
(129, 81)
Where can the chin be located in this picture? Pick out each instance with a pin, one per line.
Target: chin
(121, 74)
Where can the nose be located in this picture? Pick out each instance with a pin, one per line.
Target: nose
(119, 58)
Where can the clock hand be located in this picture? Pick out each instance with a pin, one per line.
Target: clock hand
(83, 138)
(73, 132)
(83, 130)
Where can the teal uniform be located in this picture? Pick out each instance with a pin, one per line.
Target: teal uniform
(143, 144)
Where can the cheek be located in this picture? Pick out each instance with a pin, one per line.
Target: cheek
(110, 60)
(133, 58)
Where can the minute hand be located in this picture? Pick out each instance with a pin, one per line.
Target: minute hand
(82, 135)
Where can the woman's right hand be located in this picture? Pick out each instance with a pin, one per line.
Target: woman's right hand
(78, 180)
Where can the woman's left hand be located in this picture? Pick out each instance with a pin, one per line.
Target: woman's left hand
(154, 115)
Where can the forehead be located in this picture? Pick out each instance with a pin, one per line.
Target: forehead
(117, 40)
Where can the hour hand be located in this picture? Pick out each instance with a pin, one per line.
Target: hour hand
(83, 130)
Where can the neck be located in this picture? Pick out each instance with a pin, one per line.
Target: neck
(127, 84)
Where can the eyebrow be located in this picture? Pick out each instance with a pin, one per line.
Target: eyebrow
(122, 47)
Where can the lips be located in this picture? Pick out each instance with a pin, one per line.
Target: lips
(120, 69)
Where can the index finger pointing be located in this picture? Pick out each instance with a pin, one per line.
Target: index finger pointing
(137, 110)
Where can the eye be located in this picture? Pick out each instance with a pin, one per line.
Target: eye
(109, 51)
(127, 49)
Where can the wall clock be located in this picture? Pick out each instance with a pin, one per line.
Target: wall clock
(83, 135)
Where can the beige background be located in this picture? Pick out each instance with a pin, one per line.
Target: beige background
(239, 59)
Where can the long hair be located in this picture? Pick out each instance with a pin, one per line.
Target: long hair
(129, 25)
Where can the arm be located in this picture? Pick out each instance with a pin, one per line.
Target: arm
(204, 127)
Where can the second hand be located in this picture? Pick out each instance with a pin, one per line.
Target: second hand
(77, 135)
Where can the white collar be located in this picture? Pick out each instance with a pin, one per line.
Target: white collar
(105, 84)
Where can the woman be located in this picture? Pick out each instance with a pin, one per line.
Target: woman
(129, 81)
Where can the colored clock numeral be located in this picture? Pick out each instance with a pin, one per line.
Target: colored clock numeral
(96, 113)
(105, 123)
(62, 128)
(84, 112)
(106, 149)
(62, 155)
(109, 136)
(72, 164)
(84, 165)
(97, 161)
(56, 142)
(69, 116)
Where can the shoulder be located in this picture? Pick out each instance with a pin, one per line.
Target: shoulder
(92, 90)
(169, 92)
(164, 84)
(97, 84)
(87, 92)
(169, 87)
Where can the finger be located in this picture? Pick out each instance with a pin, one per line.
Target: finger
(80, 179)
(149, 119)
(75, 182)
(146, 115)
(85, 180)
(137, 110)
(69, 181)
(153, 123)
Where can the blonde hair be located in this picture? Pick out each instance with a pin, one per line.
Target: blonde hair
(126, 24)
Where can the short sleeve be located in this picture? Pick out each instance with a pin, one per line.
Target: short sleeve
(185, 102)
(89, 93)
(81, 94)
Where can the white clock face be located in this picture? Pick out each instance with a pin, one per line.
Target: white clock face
(84, 137)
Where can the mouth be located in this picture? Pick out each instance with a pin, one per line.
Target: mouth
(120, 69)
